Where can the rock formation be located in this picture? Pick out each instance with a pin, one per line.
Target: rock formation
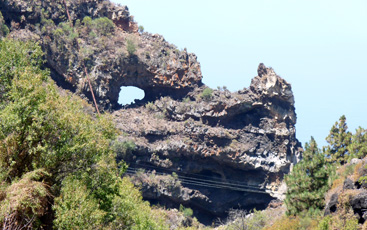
(232, 148)
(211, 150)
(156, 67)
(348, 196)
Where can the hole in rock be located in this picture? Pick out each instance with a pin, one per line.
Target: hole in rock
(128, 95)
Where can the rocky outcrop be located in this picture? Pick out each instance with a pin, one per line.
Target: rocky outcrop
(234, 148)
(114, 57)
(348, 195)
(227, 149)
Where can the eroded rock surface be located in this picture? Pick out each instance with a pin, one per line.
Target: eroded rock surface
(234, 148)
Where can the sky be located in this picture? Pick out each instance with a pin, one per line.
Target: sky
(319, 46)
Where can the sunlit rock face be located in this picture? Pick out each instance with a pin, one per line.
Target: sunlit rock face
(228, 149)
(231, 150)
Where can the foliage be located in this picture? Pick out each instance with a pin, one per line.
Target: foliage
(344, 218)
(206, 95)
(14, 57)
(308, 181)
(130, 47)
(141, 29)
(76, 207)
(187, 212)
(61, 155)
(151, 106)
(358, 147)
(104, 25)
(4, 30)
(123, 148)
(237, 220)
(87, 21)
(339, 139)
(325, 223)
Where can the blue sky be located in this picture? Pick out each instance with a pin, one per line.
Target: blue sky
(319, 46)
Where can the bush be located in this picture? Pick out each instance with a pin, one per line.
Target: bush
(62, 155)
(206, 94)
(76, 208)
(286, 223)
(187, 212)
(103, 26)
(141, 29)
(123, 149)
(4, 30)
(325, 223)
(237, 220)
(25, 201)
(87, 21)
(130, 47)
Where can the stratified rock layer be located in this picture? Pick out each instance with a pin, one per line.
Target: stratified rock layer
(228, 150)
(234, 148)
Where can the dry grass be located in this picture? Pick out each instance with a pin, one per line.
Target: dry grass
(24, 201)
(285, 223)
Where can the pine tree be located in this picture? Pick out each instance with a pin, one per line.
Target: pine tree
(358, 146)
(339, 139)
(308, 181)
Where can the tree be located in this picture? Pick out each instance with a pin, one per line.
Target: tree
(339, 139)
(52, 152)
(358, 146)
(308, 181)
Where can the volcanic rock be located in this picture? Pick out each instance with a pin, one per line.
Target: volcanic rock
(225, 149)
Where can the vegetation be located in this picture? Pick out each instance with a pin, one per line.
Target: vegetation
(123, 148)
(141, 29)
(206, 95)
(309, 181)
(186, 211)
(237, 220)
(321, 170)
(130, 47)
(4, 30)
(58, 163)
(51, 152)
(339, 139)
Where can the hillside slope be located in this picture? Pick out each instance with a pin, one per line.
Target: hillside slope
(228, 150)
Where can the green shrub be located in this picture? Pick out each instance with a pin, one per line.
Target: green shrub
(324, 224)
(187, 212)
(237, 220)
(150, 106)
(62, 155)
(76, 208)
(4, 30)
(141, 29)
(186, 99)
(130, 47)
(87, 21)
(123, 149)
(207, 94)
(103, 26)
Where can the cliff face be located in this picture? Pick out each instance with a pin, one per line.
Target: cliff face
(226, 150)
(231, 150)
